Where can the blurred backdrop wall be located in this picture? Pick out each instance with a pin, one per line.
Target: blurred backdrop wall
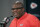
(5, 8)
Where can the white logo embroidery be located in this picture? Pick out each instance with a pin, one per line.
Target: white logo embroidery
(33, 5)
(21, 24)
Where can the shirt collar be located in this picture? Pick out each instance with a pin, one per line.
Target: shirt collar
(22, 16)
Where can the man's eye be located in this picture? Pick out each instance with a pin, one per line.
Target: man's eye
(12, 9)
(15, 8)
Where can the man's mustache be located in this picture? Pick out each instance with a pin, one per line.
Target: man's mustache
(16, 12)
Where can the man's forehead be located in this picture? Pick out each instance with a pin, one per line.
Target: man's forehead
(16, 6)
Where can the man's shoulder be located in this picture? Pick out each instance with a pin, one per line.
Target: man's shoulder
(32, 17)
(29, 15)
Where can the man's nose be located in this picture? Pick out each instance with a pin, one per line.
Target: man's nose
(15, 10)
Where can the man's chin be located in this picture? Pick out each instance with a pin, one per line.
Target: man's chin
(15, 16)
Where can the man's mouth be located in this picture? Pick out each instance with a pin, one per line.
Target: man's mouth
(15, 14)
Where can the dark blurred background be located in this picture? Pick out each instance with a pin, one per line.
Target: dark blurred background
(29, 6)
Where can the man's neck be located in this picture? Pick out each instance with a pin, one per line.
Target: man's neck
(20, 16)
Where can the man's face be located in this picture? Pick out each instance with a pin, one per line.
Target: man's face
(17, 12)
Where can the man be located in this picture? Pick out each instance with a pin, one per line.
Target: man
(22, 19)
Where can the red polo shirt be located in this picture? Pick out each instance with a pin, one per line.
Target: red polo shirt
(39, 23)
(27, 20)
